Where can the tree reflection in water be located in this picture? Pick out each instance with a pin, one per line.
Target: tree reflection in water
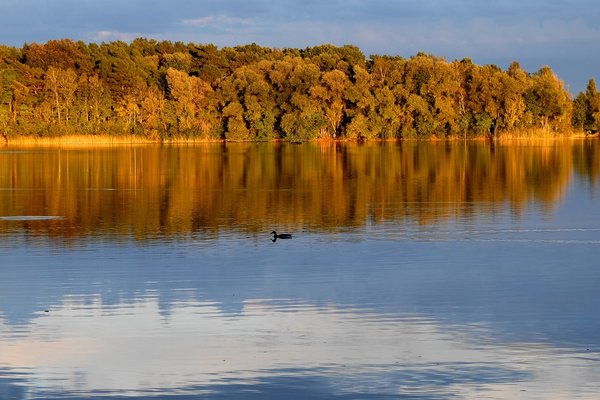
(153, 190)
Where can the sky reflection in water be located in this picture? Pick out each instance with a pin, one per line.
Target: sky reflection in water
(491, 304)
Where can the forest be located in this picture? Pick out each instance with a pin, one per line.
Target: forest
(162, 90)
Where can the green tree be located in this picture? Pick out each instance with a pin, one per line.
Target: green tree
(592, 107)
(179, 61)
(547, 100)
(579, 111)
(485, 98)
(302, 113)
(248, 88)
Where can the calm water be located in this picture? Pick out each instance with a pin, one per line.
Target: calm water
(432, 271)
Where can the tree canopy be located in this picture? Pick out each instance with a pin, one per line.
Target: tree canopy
(165, 90)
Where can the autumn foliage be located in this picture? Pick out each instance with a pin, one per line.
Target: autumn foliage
(165, 90)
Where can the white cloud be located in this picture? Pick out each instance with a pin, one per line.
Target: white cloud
(108, 36)
(199, 21)
(217, 20)
(133, 350)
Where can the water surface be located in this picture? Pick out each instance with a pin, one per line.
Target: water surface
(430, 270)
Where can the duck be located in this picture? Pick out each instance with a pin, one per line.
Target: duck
(280, 236)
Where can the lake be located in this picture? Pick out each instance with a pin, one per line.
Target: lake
(415, 270)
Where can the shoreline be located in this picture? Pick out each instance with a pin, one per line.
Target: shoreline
(105, 140)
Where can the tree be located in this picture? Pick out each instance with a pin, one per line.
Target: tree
(235, 128)
(361, 104)
(248, 88)
(179, 61)
(153, 115)
(302, 114)
(547, 100)
(513, 106)
(61, 85)
(443, 90)
(330, 93)
(485, 95)
(62, 54)
(189, 94)
(96, 93)
(423, 121)
(592, 111)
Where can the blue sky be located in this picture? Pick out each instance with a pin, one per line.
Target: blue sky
(562, 34)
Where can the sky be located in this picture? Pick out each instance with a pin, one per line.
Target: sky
(563, 34)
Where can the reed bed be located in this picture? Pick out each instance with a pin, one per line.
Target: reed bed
(537, 134)
(76, 140)
(88, 140)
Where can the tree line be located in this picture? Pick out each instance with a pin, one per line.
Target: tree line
(163, 90)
